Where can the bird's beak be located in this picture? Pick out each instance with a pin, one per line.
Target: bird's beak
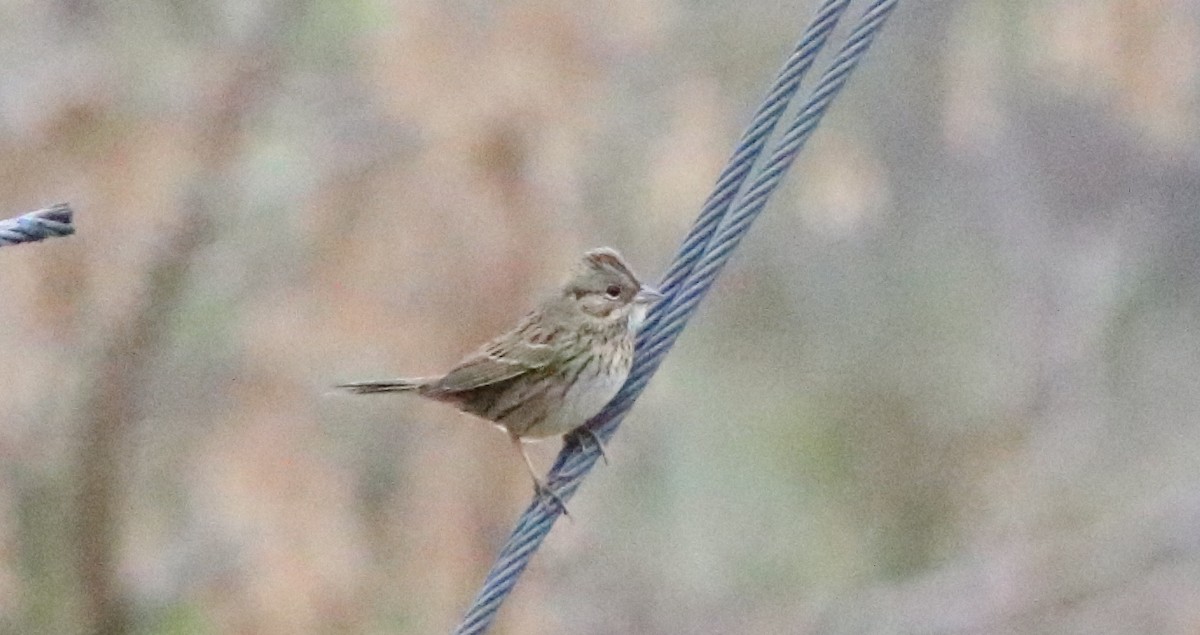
(647, 295)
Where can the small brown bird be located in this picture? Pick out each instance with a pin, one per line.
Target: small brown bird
(557, 368)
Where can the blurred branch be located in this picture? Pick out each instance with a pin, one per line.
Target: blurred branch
(37, 225)
(110, 407)
(124, 365)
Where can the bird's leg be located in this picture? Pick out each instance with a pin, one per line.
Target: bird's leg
(584, 431)
(540, 488)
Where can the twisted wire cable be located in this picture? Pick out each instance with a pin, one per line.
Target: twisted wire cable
(722, 224)
(37, 225)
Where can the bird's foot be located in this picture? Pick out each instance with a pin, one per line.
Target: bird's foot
(584, 431)
(543, 492)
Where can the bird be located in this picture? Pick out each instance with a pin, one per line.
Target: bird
(559, 366)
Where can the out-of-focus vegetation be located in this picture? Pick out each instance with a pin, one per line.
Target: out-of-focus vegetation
(949, 384)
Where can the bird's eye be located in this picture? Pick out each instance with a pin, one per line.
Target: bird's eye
(613, 291)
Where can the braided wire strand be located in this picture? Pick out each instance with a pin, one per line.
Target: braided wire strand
(718, 230)
(748, 149)
(37, 225)
(658, 341)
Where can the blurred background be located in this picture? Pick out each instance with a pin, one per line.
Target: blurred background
(949, 383)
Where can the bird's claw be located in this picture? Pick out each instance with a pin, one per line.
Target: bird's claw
(543, 491)
(585, 431)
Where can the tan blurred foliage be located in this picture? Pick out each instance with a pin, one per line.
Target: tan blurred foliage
(947, 386)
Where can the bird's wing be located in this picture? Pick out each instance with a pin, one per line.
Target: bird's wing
(513, 354)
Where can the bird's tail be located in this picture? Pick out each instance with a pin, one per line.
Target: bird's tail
(382, 385)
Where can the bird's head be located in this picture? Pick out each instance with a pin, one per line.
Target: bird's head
(604, 288)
